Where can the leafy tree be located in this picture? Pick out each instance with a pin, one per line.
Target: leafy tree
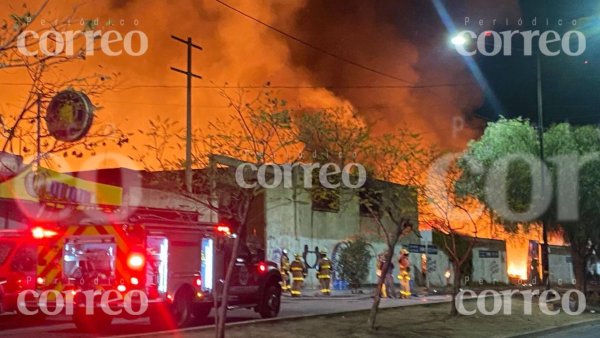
(330, 135)
(568, 150)
(451, 215)
(576, 150)
(501, 139)
(353, 263)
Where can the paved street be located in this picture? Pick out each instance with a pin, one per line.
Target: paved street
(62, 327)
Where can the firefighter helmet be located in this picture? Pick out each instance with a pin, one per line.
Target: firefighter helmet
(323, 251)
(297, 256)
(285, 252)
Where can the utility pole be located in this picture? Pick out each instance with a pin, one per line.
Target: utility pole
(540, 116)
(38, 138)
(188, 124)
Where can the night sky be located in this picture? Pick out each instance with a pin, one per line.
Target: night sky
(570, 84)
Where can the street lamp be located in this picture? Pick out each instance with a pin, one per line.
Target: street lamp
(460, 40)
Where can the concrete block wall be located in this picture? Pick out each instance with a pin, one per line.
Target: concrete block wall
(437, 265)
(489, 262)
(291, 224)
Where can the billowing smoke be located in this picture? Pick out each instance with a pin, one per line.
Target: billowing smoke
(404, 40)
(400, 39)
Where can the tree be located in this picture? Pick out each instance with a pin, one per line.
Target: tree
(576, 150)
(429, 186)
(18, 129)
(394, 209)
(451, 215)
(257, 131)
(501, 139)
(394, 159)
(569, 151)
(353, 264)
(331, 136)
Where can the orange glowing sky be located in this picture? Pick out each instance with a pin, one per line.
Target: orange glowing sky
(241, 52)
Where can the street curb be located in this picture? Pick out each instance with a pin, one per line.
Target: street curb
(271, 320)
(309, 298)
(554, 329)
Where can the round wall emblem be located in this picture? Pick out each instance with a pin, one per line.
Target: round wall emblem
(35, 183)
(69, 116)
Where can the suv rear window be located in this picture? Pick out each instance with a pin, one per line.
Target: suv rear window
(5, 248)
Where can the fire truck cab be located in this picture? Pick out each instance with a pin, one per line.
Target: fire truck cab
(17, 266)
(175, 268)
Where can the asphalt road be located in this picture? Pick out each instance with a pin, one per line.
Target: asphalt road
(61, 326)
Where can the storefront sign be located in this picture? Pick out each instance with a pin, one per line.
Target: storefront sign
(69, 116)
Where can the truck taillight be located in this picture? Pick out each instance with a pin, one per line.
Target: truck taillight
(262, 267)
(39, 233)
(134, 281)
(136, 261)
(198, 281)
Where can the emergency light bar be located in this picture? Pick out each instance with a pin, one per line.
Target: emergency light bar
(224, 229)
(39, 233)
(136, 261)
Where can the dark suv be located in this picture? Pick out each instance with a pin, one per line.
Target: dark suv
(255, 282)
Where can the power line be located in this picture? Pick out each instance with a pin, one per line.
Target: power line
(311, 86)
(310, 45)
(466, 84)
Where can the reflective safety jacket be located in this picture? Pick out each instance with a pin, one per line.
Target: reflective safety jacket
(324, 268)
(404, 273)
(297, 268)
(284, 265)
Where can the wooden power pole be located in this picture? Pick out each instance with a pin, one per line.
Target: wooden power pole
(188, 124)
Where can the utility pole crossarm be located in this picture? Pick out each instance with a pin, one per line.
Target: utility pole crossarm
(186, 41)
(186, 73)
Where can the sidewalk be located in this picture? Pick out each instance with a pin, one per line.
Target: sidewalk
(365, 292)
(315, 293)
(347, 300)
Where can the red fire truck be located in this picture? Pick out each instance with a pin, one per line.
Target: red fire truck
(110, 270)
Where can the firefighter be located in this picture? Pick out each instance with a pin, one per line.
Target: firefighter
(378, 270)
(389, 278)
(404, 274)
(284, 269)
(324, 273)
(387, 288)
(534, 273)
(298, 272)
